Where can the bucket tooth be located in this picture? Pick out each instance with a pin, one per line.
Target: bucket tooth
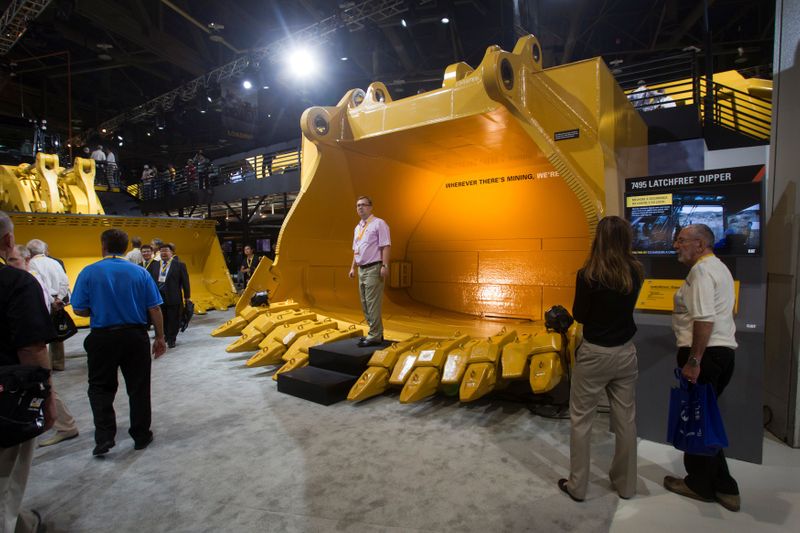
(298, 361)
(267, 356)
(515, 358)
(374, 381)
(387, 357)
(479, 380)
(488, 350)
(546, 372)
(455, 364)
(422, 383)
(231, 328)
(279, 307)
(248, 341)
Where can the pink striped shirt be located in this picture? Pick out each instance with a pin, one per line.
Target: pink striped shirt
(368, 241)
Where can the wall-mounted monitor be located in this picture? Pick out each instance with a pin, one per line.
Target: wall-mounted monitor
(727, 200)
(263, 245)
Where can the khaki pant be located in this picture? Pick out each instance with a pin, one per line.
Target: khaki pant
(613, 370)
(65, 422)
(56, 350)
(370, 288)
(15, 464)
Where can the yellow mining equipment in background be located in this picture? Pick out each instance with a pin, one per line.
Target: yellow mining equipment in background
(492, 187)
(75, 239)
(46, 187)
(60, 207)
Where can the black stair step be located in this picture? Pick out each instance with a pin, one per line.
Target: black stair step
(344, 356)
(317, 385)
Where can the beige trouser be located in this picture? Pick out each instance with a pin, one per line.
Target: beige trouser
(65, 422)
(613, 370)
(370, 288)
(56, 350)
(15, 464)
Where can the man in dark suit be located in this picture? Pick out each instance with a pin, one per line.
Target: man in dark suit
(172, 279)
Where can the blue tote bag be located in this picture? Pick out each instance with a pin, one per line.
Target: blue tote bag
(695, 424)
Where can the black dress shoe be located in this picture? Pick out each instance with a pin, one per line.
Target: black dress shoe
(103, 448)
(562, 484)
(369, 342)
(171, 344)
(141, 445)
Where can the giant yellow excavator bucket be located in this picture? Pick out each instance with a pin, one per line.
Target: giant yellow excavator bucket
(75, 239)
(61, 207)
(492, 187)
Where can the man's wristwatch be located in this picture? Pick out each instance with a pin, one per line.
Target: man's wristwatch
(693, 361)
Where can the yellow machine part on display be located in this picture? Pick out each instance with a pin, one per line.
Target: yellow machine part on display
(45, 187)
(492, 187)
(75, 239)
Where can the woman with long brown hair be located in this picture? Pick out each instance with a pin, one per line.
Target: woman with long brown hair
(606, 289)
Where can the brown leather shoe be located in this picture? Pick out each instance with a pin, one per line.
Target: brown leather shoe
(678, 486)
(731, 502)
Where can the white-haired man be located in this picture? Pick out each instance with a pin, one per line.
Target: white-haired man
(703, 324)
(48, 269)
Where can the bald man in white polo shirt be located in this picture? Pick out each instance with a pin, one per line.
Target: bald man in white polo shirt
(703, 324)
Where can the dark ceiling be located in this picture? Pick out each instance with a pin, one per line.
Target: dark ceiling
(123, 53)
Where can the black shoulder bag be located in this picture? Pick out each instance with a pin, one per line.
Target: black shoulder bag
(23, 391)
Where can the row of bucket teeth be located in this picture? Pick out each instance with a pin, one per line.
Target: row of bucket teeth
(421, 366)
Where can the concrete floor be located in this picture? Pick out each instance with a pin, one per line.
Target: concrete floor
(233, 454)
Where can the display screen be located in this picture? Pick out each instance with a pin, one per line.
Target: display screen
(726, 200)
(262, 245)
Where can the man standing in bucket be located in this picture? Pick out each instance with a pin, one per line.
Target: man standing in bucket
(371, 244)
(703, 324)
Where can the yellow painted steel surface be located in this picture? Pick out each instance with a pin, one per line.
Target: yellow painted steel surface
(46, 187)
(60, 207)
(492, 187)
(494, 212)
(75, 239)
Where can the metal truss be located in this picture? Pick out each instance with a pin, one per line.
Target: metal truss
(15, 21)
(351, 16)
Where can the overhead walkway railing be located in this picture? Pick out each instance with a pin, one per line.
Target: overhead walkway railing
(675, 81)
(738, 110)
(196, 176)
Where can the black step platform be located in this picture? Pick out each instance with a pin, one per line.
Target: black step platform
(316, 384)
(343, 356)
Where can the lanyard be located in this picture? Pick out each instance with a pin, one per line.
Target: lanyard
(249, 261)
(147, 265)
(165, 267)
(364, 228)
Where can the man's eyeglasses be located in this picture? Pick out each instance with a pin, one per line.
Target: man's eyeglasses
(363, 205)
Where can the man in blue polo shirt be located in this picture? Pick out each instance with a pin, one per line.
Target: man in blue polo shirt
(118, 296)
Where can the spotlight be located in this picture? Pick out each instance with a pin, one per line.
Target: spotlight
(265, 87)
(247, 84)
(445, 20)
(302, 63)
(148, 134)
(161, 121)
(403, 23)
(344, 58)
(104, 130)
(119, 137)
